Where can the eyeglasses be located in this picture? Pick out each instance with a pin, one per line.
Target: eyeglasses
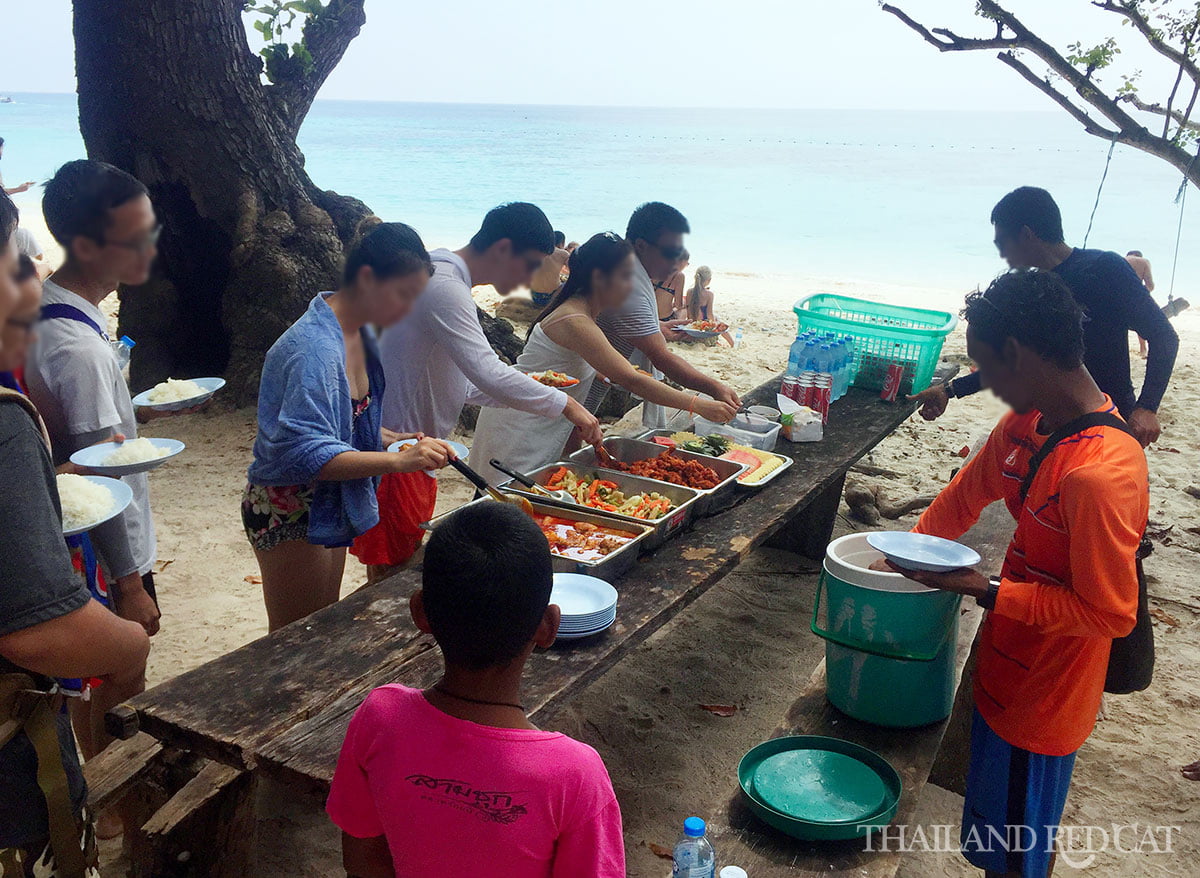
(141, 246)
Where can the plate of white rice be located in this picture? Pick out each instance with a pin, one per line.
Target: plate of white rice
(128, 457)
(89, 501)
(175, 394)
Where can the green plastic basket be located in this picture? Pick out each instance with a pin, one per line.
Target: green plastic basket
(883, 335)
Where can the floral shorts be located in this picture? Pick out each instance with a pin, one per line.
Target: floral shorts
(274, 515)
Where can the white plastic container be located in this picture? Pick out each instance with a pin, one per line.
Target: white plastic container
(763, 436)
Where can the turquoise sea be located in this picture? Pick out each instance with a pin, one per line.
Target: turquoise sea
(895, 196)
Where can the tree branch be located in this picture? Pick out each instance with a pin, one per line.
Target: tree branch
(952, 42)
(1181, 119)
(327, 35)
(1043, 84)
(1134, 16)
(1125, 128)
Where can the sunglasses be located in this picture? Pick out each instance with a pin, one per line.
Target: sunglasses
(671, 253)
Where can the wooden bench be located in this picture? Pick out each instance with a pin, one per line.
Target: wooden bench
(742, 839)
(279, 706)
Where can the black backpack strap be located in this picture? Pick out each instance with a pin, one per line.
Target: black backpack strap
(1072, 428)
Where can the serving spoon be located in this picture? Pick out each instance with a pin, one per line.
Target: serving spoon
(481, 483)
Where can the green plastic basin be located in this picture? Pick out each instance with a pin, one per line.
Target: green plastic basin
(844, 786)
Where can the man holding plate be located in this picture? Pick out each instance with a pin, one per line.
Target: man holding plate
(1075, 478)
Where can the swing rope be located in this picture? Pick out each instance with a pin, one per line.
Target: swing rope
(1100, 188)
(1181, 200)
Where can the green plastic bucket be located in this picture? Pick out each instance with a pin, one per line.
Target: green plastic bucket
(890, 642)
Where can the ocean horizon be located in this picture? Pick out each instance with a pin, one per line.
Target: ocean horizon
(894, 196)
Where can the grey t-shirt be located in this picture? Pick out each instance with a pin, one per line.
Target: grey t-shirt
(636, 317)
(37, 584)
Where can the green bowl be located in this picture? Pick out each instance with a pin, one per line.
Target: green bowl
(822, 830)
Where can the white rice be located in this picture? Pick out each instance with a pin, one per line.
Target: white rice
(174, 390)
(82, 501)
(135, 451)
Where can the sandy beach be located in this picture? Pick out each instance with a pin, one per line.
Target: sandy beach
(737, 644)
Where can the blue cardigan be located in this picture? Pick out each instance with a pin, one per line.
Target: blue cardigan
(305, 417)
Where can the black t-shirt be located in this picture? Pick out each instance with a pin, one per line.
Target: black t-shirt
(37, 584)
(1116, 302)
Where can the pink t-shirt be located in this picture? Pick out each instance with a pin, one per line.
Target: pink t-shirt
(453, 797)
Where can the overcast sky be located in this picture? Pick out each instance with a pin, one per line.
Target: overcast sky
(751, 53)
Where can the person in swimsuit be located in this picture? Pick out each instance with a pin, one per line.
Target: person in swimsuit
(1141, 267)
(549, 277)
(319, 450)
(700, 300)
(565, 338)
(670, 292)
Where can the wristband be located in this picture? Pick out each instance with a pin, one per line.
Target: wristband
(692, 404)
(949, 385)
(988, 601)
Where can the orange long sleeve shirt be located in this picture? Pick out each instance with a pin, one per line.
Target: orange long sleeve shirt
(1069, 581)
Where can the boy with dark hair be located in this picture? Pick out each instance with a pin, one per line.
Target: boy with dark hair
(1029, 234)
(456, 779)
(438, 359)
(655, 231)
(1069, 583)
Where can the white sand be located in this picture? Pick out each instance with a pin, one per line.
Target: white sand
(212, 603)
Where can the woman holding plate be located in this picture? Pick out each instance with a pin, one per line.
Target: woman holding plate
(565, 338)
(319, 450)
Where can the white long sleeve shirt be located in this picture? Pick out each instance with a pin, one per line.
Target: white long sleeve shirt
(437, 359)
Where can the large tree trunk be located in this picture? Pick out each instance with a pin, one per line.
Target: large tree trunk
(170, 91)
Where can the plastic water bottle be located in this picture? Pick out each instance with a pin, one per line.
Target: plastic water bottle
(694, 856)
(824, 361)
(796, 358)
(851, 350)
(843, 370)
(123, 349)
(737, 338)
(835, 371)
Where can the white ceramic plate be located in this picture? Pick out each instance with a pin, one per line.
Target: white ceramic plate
(93, 458)
(923, 552)
(578, 633)
(210, 386)
(122, 496)
(579, 595)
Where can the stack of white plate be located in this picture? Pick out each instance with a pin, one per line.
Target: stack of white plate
(588, 604)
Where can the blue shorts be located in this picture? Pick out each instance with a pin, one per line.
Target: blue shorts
(1014, 802)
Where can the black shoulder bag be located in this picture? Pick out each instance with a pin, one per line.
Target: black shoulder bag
(1131, 662)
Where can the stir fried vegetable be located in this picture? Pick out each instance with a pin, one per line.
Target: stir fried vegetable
(713, 445)
(599, 493)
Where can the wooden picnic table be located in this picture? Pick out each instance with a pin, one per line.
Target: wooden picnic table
(280, 705)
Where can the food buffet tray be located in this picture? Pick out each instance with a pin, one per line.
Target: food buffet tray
(626, 450)
(609, 568)
(683, 499)
(788, 462)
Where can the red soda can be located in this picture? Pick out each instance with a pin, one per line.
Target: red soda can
(806, 391)
(892, 382)
(822, 395)
(790, 387)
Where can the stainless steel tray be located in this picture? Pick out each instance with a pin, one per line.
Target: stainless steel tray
(683, 499)
(788, 462)
(627, 450)
(612, 566)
